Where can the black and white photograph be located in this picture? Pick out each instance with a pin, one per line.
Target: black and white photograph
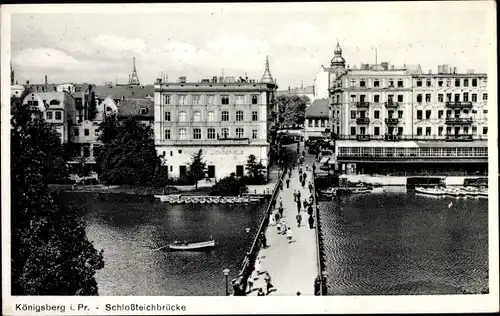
(345, 153)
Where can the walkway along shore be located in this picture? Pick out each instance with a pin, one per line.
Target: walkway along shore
(292, 266)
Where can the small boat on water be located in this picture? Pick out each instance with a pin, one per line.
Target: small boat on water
(177, 245)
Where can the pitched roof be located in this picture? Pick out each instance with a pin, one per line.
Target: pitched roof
(319, 108)
(303, 90)
(132, 108)
(129, 92)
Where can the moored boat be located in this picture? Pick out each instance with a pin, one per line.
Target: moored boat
(177, 245)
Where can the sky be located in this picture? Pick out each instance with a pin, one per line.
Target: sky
(95, 44)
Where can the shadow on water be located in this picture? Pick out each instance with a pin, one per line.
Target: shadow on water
(400, 243)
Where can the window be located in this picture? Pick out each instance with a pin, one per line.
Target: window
(427, 131)
(197, 116)
(362, 98)
(466, 129)
(211, 116)
(255, 99)
(239, 132)
(167, 134)
(376, 83)
(474, 82)
(225, 132)
(167, 117)
(419, 83)
(197, 133)
(254, 134)
(182, 116)
(179, 151)
(466, 82)
(224, 99)
(315, 123)
(240, 99)
(457, 97)
(310, 122)
(391, 114)
(376, 131)
(474, 111)
(448, 82)
(428, 97)
(400, 114)
(353, 114)
(400, 83)
(466, 97)
(474, 130)
(182, 133)
(419, 114)
(390, 98)
(440, 97)
(485, 111)
(376, 98)
(400, 130)
(225, 116)
(457, 113)
(76, 132)
(353, 130)
(400, 98)
(440, 83)
(485, 130)
(428, 114)
(419, 98)
(255, 116)
(211, 133)
(49, 115)
(239, 115)
(440, 130)
(211, 100)
(457, 82)
(428, 82)
(391, 83)
(59, 115)
(197, 99)
(474, 97)
(353, 82)
(376, 114)
(144, 111)
(323, 123)
(168, 99)
(485, 98)
(86, 132)
(362, 130)
(183, 99)
(448, 97)
(362, 83)
(419, 131)
(440, 114)
(353, 98)
(466, 111)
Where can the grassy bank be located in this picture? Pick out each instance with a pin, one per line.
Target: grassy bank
(130, 189)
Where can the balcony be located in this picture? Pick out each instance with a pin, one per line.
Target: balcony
(391, 104)
(391, 121)
(459, 104)
(465, 137)
(363, 104)
(220, 141)
(363, 137)
(458, 121)
(362, 120)
(393, 138)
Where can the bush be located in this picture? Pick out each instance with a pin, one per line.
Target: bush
(229, 186)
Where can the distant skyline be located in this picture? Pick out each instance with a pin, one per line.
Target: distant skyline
(200, 40)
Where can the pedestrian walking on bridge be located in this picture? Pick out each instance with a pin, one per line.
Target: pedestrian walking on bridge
(288, 183)
(298, 217)
(289, 234)
(311, 222)
(298, 195)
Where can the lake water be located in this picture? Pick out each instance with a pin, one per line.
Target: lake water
(129, 228)
(402, 243)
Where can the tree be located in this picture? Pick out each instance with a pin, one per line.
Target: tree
(108, 129)
(254, 170)
(292, 109)
(50, 253)
(197, 168)
(228, 186)
(128, 155)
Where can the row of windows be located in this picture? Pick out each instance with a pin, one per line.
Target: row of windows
(199, 99)
(56, 115)
(424, 151)
(441, 82)
(428, 114)
(239, 116)
(428, 130)
(448, 81)
(211, 133)
(377, 83)
(419, 97)
(317, 123)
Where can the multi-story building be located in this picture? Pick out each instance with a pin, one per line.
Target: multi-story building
(317, 124)
(385, 115)
(228, 119)
(326, 75)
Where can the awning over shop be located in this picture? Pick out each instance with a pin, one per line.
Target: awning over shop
(438, 144)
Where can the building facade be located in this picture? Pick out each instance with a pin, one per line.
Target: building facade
(228, 119)
(326, 75)
(317, 120)
(401, 120)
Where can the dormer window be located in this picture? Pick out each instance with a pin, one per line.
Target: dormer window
(144, 111)
(54, 102)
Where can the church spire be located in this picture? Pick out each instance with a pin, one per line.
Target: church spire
(134, 79)
(267, 77)
(338, 60)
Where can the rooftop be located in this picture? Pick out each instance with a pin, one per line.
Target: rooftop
(134, 108)
(127, 92)
(319, 108)
(299, 90)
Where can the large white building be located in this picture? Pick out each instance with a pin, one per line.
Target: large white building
(228, 119)
(326, 75)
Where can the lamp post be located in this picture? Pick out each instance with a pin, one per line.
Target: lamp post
(226, 272)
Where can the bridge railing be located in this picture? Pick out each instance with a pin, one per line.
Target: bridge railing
(321, 278)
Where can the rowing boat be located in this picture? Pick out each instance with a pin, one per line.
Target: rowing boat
(177, 245)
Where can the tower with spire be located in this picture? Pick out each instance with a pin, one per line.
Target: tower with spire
(267, 77)
(338, 61)
(134, 79)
